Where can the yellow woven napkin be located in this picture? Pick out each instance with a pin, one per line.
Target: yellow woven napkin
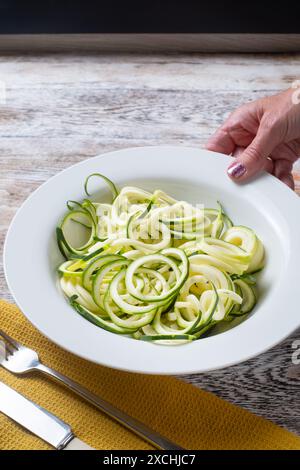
(193, 418)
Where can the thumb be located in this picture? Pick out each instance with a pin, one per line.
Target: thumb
(254, 158)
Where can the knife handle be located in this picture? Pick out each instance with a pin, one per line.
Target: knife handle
(77, 444)
(139, 428)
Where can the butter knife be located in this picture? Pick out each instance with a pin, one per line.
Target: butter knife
(39, 421)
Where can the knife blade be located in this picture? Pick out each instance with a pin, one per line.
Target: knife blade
(38, 420)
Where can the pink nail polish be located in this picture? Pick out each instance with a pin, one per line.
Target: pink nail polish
(236, 170)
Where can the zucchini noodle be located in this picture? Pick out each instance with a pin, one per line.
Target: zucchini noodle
(154, 268)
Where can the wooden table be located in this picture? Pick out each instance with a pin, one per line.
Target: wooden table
(61, 109)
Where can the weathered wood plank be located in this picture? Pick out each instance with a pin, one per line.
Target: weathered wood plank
(150, 42)
(61, 109)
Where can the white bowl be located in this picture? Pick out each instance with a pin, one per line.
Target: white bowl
(270, 208)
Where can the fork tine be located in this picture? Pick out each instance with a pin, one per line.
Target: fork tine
(9, 349)
(6, 349)
(8, 339)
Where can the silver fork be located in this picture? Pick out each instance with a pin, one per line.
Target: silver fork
(19, 359)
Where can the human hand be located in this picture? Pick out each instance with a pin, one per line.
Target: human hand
(262, 135)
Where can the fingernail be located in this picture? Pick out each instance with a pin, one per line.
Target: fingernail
(236, 170)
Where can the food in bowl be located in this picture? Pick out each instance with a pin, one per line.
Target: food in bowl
(155, 268)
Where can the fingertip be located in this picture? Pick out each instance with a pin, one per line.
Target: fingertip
(236, 170)
(289, 181)
(213, 147)
(213, 143)
(221, 142)
(209, 146)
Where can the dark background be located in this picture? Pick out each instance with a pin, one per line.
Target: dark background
(149, 16)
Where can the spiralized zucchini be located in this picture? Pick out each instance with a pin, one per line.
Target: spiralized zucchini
(155, 268)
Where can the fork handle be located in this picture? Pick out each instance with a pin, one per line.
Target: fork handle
(129, 422)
